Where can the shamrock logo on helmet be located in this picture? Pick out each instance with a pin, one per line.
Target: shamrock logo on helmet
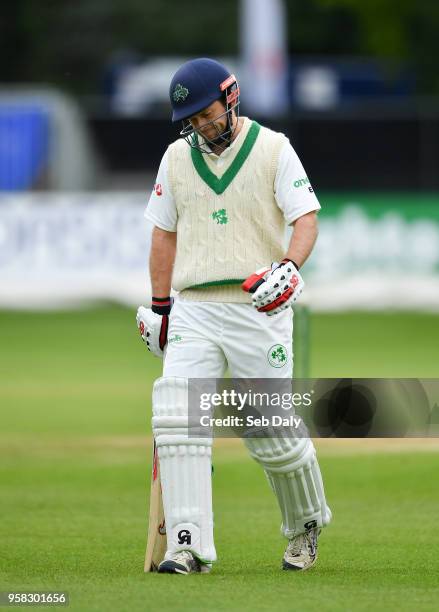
(180, 93)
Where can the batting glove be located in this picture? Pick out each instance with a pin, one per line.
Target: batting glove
(153, 324)
(275, 289)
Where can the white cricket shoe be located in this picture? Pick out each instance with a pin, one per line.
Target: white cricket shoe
(301, 552)
(183, 562)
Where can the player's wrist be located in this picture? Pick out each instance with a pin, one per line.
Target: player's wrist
(285, 259)
(162, 305)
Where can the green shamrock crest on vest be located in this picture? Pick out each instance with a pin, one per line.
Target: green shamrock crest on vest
(220, 216)
(180, 93)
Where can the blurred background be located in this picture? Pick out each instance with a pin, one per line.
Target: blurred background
(85, 119)
(84, 122)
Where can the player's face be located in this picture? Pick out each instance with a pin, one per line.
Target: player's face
(211, 121)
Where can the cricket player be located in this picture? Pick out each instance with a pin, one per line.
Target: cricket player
(224, 193)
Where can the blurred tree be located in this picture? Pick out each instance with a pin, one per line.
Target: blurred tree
(68, 43)
(315, 29)
(404, 30)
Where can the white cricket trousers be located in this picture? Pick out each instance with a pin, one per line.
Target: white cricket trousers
(206, 337)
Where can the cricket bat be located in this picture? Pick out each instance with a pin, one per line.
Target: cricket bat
(157, 542)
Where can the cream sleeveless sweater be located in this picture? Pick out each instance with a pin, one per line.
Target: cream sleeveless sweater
(229, 224)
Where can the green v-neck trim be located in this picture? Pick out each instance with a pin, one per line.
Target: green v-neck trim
(219, 185)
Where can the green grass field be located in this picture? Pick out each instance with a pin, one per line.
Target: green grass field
(74, 477)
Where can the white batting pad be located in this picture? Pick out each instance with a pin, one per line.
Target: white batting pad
(186, 472)
(294, 475)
